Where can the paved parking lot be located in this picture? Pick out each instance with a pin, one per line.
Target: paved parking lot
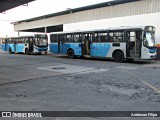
(56, 83)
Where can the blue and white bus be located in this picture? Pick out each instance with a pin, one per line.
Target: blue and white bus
(37, 43)
(123, 43)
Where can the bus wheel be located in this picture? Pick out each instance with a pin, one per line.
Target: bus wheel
(27, 51)
(119, 56)
(70, 54)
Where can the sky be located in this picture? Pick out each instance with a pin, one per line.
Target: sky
(35, 9)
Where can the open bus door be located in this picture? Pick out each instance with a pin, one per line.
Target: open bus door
(15, 45)
(86, 43)
(59, 45)
(31, 44)
(133, 46)
(6, 45)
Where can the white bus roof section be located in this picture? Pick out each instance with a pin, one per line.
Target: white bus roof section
(107, 29)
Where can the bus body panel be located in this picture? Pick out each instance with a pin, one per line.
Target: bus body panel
(54, 48)
(122, 48)
(7, 46)
(39, 49)
(75, 46)
(148, 53)
(106, 49)
(3, 47)
(65, 47)
(100, 49)
(20, 48)
(96, 49)
(12, 47)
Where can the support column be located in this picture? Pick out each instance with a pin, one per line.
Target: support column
(18, 33)
(45, 30)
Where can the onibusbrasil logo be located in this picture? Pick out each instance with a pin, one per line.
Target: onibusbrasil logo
(21, 114)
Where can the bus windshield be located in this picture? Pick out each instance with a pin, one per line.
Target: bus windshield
(41, 41)
(150, 39)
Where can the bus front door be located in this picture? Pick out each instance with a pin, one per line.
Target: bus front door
(31, 45)
(86, 42)
(133, 46)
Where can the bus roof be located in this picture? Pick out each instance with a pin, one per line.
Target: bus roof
(39, 35)
(106, 29)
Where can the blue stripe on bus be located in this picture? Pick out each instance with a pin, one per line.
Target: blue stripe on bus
(100, 49)
(3, 47)
(64, 48)
(54, 48)
(75, 46)
(97, 49)
(20, 47)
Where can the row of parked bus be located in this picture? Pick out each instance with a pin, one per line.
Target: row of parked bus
(119, 43)
(37, 43)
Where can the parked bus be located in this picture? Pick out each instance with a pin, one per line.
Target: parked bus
(123, 43)
(37, 43)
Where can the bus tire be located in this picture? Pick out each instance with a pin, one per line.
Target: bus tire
(70, 54)
(27, 51)
(118, 56)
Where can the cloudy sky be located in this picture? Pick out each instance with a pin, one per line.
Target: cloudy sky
(38, 8)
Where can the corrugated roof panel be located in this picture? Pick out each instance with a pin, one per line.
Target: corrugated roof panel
(90, 7)
(9, 4)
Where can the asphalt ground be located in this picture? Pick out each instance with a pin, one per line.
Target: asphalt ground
(57, 83)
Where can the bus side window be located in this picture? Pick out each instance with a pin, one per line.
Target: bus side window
(3, 40)
(104, 37)
(111, 37)
(116, 36)
(69, 38)
(95, 40)
(75, 38)
(53, 39)
(26, 40)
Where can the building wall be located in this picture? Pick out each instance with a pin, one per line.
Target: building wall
(136, 20)
(122, 10)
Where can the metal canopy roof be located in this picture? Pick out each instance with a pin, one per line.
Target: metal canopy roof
(9, 4)
(90, 7)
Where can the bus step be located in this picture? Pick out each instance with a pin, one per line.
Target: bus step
(87, 56)
(135, 55)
